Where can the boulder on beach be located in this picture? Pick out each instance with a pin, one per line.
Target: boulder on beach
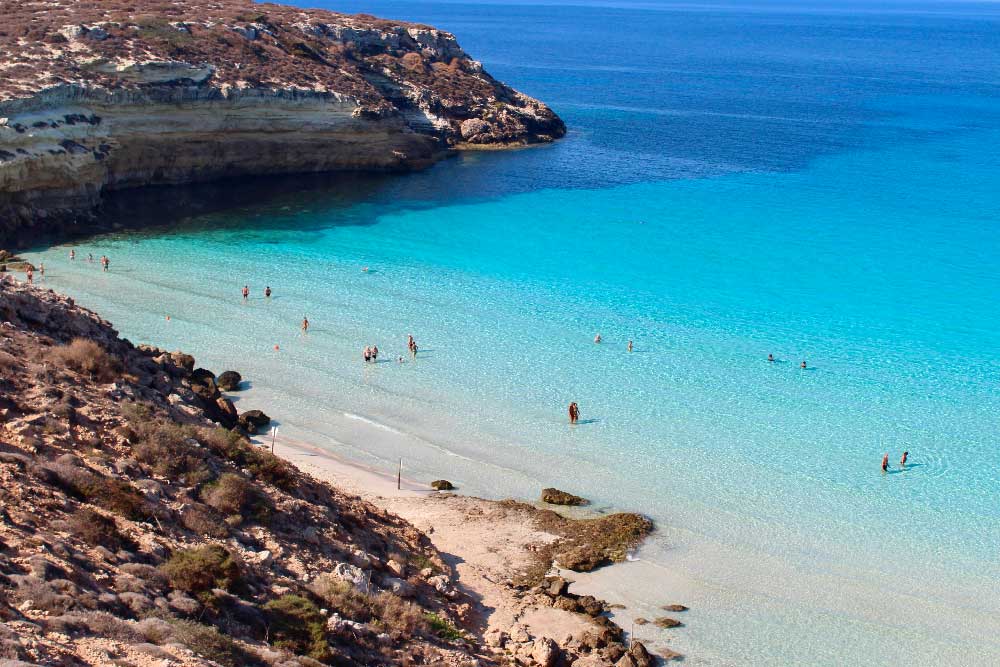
(667, 622)
(229, 381)
(442, 485)
(557, 497)
(253, 420)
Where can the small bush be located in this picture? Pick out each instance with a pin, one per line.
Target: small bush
(230, 494)
(262, 465)
(87, 357)
(296, 625)
(43, 596)
(342, 597)
(443, 628)
(165, 447)
(115, 495)
(212, 645)
(203, 521)
(399, 618)
(202, 569)
(98, 530)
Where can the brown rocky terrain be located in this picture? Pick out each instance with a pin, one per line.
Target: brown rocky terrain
(136, 529)
(99, 96)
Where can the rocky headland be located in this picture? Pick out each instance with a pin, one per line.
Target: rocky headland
(139, 525)
(104, 96)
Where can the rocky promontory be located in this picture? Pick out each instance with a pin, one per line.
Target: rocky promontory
(102, 96)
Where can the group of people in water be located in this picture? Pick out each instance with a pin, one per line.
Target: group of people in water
(105, 261)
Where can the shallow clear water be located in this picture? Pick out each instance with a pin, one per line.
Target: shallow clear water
(817, 183)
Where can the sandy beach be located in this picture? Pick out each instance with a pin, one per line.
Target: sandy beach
(489, 545)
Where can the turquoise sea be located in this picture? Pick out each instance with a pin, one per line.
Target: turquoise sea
(817, 181)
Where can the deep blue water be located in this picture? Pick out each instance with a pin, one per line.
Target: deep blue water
(815, 181)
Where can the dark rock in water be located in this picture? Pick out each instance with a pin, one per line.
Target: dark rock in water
(557, 497)
(442, 485)
(229, 381)
(674, 607)
(667, 622)
(253, 420)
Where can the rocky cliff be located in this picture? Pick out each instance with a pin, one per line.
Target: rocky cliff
(98, 96)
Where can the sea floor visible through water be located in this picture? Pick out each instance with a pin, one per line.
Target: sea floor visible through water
(823, 198)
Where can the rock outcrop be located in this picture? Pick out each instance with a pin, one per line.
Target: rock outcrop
(96, 97)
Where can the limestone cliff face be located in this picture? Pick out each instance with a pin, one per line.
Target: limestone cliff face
(100, 96)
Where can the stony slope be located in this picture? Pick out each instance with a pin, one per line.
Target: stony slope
(96, 96)
(137, 529)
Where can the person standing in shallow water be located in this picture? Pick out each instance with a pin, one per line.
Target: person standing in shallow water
(597, 338)
(374, 352)
(803, 366)
(105, 263)
(30, 275)
(770, 357)
(267, 292)
(885, 462)
(246, 292)
(72, 254)
(574, 413)
(305, 325)
(630, 346)
(902, 461)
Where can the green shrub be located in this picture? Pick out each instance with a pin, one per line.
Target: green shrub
(202, 569)
(442, 627)
(297, 625)
(203, 521)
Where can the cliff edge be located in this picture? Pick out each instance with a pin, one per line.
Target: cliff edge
(102, 96)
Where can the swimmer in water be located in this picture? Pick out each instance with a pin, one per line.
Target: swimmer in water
(90, 257)
(267, 292)
(902, 461)
(574, 413)
(246, 292)
(400, 359)
(72, 254)
(305, 325)
(368, 354)
(41, 270)
(374, 352)
(770, 357)
(630, 346)
(885, 462)
(597, 338)
(803, 366)
(105, 263)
